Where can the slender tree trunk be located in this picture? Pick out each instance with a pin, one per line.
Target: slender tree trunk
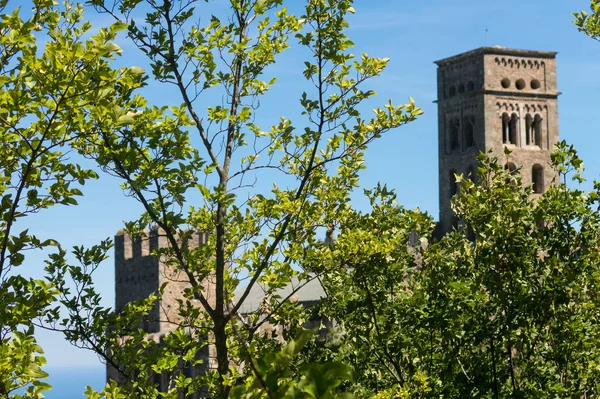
(220, 320)
(495, 382)
(222, 356)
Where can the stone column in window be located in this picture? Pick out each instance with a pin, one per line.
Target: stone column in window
(537, 129)
(529, 129)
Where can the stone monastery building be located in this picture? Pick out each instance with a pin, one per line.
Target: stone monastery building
(488, 99)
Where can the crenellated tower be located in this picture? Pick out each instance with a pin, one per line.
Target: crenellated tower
(491, 98)
(138, 274)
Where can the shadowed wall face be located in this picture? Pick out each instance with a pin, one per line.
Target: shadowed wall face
(136, 275)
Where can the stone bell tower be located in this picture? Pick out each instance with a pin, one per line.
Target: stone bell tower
(491, 98)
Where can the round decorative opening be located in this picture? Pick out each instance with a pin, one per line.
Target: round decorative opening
(520, 84)
(461, 88)
(535, 84)
(505, 83)
(470, 86)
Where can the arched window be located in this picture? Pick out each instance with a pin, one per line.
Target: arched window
(505, 124)
(452, 91)
(537, 178)
(461, 88)
(537, 130)
(512, 129)
(469, 126)
(470, 86)
(454, 135)
(453, 184)
(511, 167)
(529, 129)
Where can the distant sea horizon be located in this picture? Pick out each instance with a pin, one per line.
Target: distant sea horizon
(69, 382)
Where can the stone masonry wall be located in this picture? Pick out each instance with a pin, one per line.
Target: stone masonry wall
(522, 96)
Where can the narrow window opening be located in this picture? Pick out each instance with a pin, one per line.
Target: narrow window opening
(469, 124)
(461, 88)
(528, 129)
(537, 128)
(537, 179)
(470, 86)
(452, 91)
(512, 134)
(454, 135)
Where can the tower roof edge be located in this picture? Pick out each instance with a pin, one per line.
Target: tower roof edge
(499, 50)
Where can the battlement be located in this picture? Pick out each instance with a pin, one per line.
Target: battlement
(129, 247)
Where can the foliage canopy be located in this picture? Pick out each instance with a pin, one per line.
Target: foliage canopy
(589, 22)
(514, 312)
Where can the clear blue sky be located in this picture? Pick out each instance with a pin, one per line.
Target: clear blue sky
(413, 34)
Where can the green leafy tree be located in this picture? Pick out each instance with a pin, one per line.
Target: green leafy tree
(373, 297)
(514, 313)
(274, 378)
(50, 76)
(199, 165)
(589, 23)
